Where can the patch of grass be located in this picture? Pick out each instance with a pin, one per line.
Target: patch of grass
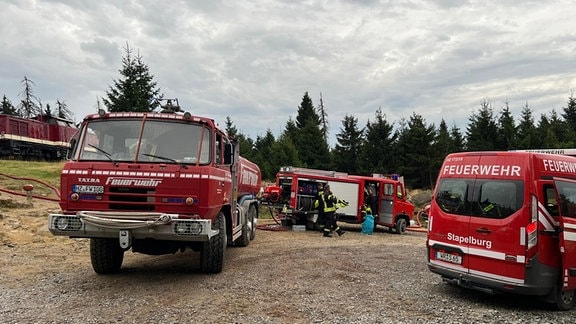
(264, 212)
(46, 172)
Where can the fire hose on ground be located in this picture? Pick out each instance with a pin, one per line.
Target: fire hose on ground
(29, 188)
(272, 227)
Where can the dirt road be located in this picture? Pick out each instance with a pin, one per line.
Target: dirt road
(281, 277)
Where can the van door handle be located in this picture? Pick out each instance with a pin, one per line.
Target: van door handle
(483, 230)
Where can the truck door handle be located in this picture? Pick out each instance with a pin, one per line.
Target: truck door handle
(483, 230)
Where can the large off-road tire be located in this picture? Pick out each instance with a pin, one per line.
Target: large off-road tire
(212, 255)
(400, 226)
(106, 255)
(565, 300)
(252, 220)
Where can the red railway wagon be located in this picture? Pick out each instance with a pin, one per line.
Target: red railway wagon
(42, 138)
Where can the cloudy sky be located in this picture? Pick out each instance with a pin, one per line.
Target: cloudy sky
(254, 60)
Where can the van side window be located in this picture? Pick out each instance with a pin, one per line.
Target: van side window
(567, 197)
(550, 200)
(388, 189)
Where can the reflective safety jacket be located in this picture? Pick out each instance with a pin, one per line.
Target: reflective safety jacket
(329, 201)
(319, 202)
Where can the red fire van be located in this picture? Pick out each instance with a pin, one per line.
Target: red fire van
(506, 222)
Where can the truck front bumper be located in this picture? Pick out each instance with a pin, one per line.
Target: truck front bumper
(136, 225)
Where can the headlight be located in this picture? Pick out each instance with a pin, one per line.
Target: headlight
(67, 223)
(62, 223)
(195, 228)
(187, 228)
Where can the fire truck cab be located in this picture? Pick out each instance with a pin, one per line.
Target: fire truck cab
(296, 189)
(506, 222)
(156, 183)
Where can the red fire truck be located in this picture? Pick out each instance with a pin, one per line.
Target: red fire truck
(292, 197)
(156, 183)
(506, 222)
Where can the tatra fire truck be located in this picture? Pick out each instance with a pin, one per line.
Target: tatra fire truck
(156, 183)
(506, 222)
(292, 198)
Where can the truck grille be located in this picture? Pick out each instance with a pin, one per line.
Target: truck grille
(125, 198)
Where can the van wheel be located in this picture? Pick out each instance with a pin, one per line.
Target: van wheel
(400, 226)
(564, 299)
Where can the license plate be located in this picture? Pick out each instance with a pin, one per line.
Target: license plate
(448, 257)
(88, 189)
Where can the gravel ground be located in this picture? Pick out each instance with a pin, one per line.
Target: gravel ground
(281, 277)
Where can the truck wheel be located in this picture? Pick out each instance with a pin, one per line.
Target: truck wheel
(400, 226)
(564, 299)
(252, 219)
(212, 255)
(244, 238)
(106, 255)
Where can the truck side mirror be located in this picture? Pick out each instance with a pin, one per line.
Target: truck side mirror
(71, 148)
(228, 153)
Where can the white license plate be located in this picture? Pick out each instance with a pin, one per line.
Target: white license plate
(88, 189)
(448, 257)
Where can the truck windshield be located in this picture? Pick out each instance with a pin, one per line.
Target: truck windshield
(481, 198)
(161, 141)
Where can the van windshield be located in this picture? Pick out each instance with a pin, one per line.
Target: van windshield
(480, 197)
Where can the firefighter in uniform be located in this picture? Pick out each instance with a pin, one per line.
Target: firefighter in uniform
(330, 203)
(319, 205)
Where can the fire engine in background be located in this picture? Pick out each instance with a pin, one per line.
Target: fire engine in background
(292, 198)
(506, 222)
(156, 183)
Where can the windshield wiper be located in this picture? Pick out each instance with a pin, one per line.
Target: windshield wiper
(108, 155)
(166, 159)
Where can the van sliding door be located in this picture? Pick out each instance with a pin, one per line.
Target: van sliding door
(566, 191)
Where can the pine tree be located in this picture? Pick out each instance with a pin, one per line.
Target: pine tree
(263, 153)
(323, 118)
(377, 154)
(506, 130)
(231, 130)
(554, 132)
(306, 112)
(349, 142)
(245, 142)
(7, 107)
(527, 132)
(415, 143)
(291, 131)
(136, 91)
(458, 142)
(283, 153)
(63, 111)
(442, 146)
(482, 129)
(569, 113)
(29, 106)
(310, 143)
